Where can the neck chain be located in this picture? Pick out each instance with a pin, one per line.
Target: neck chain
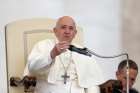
(65, 76)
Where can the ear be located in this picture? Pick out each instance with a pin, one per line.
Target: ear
(54, 30)
(117, 74)
(75, 31)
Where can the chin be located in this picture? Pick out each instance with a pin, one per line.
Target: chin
(68, 40)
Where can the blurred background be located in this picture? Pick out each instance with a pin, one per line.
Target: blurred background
(110, 27)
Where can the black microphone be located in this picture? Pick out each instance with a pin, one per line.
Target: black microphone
(79, 50)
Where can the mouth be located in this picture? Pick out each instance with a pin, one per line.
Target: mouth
(67, 36)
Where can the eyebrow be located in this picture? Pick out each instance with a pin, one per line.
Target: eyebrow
(65, 25)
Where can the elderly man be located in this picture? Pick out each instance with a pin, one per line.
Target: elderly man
(60, 70)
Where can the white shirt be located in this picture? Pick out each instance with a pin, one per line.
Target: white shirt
(68, 64)
(40, 64)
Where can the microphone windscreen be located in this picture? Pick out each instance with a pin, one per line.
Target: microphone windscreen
(79, 50)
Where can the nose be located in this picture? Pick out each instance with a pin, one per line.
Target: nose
(67, 30)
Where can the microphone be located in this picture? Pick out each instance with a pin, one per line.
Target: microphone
(79, 50)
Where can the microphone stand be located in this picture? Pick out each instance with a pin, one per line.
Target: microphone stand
(89, 52)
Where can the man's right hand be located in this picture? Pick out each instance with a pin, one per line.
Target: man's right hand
(59, 48)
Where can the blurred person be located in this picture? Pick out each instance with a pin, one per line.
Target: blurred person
(122, 76)
(120, 84)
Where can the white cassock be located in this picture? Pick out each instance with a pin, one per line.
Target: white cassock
(85, 74)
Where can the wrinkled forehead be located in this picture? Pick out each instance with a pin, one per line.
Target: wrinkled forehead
(65, 21)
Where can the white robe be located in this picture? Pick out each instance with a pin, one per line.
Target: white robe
(40, 64)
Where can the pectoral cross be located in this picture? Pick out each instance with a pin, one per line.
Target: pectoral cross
(65, 76)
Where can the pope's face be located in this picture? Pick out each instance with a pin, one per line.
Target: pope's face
(65, 30)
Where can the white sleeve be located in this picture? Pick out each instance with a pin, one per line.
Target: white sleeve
(39, 60)
(94, 89)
